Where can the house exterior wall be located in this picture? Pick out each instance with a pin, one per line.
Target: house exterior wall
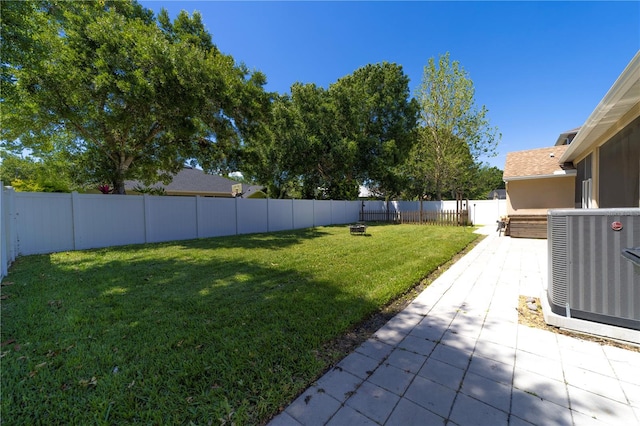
(536, 196)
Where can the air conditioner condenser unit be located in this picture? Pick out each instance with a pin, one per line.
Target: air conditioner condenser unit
(593, 274)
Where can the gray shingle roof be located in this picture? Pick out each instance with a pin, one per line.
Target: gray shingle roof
(190, 180)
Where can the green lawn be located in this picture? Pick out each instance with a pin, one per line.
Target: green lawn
(206, 331)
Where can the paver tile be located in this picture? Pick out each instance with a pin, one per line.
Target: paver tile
(348, 416)
(546, 367)
(373, 401)
(538, 342)
(580, 419)
(471, 412)
(313, 407)
(375, 349)
(541, 387)
(405, 360)
(442, 373)
(632, 392)
(404, 322)
(339, 384)
(430, 328)
(407, 413)
(391, 378)
(284, 419)
(626, 371)
(459, 341)
(452, 356)
(516, 421)
(537, 410)
(359, 365)
(431, 395)
(390, 334)
(419, 345)
(502, 335)
(601, 408)
(595, 383)
(595, 361)
(498, 395)
(495, 351)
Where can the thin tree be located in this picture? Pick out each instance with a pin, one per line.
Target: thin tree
(454, 133)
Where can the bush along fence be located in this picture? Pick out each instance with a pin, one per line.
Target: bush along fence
(35, 223)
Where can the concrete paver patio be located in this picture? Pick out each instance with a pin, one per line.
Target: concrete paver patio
(457, 356)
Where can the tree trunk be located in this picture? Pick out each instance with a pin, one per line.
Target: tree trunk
(118, 186)
(120, 173)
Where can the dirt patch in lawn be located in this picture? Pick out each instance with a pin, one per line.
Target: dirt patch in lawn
(530, 314)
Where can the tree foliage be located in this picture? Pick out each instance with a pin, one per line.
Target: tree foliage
(137, 98)
(51, 174)
(117, 94)
(454, 134)
(325, 143)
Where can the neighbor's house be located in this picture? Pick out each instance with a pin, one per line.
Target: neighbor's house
(594, 166)
(536, 181)
(497, 194)
(190, 181)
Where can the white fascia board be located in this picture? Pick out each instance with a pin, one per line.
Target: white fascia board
(558, 174)
(625, 92)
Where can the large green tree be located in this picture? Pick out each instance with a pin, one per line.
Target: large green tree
(325, 143)
(137, 97)
(454, 133)
(376, 114)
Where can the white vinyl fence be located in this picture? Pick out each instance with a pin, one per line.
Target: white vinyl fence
(34, 223)
(481, 212)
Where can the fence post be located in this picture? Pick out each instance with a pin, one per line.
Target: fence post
(268, 224)
(236, 201)
(3, 236)
(147, 214)
(75, 219)
(198, 218)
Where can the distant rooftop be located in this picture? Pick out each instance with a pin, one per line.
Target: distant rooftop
(566, 138)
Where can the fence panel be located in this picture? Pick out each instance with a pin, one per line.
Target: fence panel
(7, 220)
(487, 212)
(352, 212)
(391, 216)
(107, 221)
(44, 222)
(322, 213)
(280, 215)
(303, 214)
(252, 216)
(216, 217)
(170, 218)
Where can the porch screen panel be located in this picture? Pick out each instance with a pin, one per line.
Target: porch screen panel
(583, 173)
(620, 168)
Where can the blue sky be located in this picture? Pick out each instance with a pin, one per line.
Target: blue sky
(540, 68)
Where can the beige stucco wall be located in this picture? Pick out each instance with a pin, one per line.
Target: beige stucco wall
(536, 196)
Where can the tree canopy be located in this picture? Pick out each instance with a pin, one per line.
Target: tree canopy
(114, 93)
(325, 143)
(136, 97)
